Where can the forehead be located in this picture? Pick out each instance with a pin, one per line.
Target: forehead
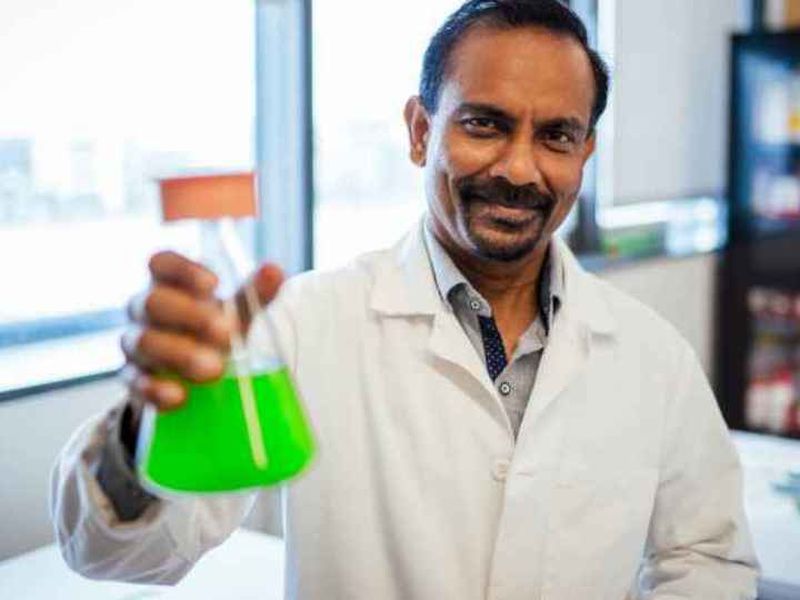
(521, 70)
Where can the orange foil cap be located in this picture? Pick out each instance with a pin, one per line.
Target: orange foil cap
(208, 196)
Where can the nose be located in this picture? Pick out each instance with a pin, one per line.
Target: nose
(518, 164)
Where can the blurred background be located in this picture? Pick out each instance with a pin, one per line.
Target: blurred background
(692, 202)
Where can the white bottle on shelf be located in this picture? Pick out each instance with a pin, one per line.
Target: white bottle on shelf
(772, 118)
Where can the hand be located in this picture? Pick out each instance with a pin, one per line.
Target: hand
(180, 327)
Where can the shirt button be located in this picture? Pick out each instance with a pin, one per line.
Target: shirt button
(500, 470)
(505, 388)
(475, 305)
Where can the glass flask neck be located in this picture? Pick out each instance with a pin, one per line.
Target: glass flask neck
(224, 253)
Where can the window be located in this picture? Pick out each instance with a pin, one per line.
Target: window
(102, 97)
(368, 193)
(672, 140)
(97, 99)
(657, 179)
(662, 146)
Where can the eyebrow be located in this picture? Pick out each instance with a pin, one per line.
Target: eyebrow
(565, 123)
(488, 110)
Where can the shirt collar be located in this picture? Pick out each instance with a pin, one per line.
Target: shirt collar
(450, 280)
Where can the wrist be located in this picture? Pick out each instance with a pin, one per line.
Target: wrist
(129, 429)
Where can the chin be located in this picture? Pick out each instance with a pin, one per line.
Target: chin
(502, 236)
(491, 244)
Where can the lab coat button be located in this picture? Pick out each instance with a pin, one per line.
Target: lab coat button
(475, 305)
(505, 388)
(500, 470)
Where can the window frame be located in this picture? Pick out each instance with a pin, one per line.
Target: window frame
(284, 233)
(285, 161)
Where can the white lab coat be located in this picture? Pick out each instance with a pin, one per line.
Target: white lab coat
(419, 490)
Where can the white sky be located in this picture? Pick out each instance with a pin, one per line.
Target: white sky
(171, 73)
(372, 50)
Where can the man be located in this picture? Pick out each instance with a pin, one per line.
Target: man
(493, 422)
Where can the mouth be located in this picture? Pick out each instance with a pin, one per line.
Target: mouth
(510, 216)
(541, 204)
(504, 222)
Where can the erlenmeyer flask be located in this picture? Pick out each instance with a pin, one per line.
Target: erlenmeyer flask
(247, 429)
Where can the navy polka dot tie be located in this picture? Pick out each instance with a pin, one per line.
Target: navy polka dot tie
(493, 347)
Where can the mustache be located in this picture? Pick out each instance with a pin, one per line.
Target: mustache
(499, 190)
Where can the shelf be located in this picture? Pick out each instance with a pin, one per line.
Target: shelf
(775, 148)
(773, 228)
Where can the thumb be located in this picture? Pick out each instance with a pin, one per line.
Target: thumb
(258, 291)
(267, 280)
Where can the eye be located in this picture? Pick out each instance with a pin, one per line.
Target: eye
(559, 140)
(482, 126)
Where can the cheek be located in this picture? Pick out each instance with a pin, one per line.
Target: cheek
(461, 157)
(453, 160)
(564, 175)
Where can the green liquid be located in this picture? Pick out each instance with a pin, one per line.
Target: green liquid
(205, 446)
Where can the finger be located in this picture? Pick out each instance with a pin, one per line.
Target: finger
(135, 307)
(146, 388)
(175, 269)
(257, 292)
(154, 350)
(163, 394)
(171, 308)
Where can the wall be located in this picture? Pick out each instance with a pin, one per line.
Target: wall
(682, 291)
(671, 85)
(32, 431)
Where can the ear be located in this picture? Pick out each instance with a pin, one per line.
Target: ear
(418, 123)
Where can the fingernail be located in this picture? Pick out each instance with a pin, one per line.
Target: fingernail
(206, 362)
(208, 281)
(170, 394)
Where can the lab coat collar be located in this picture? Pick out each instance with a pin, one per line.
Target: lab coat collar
(584, 294)
(406, 286)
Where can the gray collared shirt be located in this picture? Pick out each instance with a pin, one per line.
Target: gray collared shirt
(514, 383)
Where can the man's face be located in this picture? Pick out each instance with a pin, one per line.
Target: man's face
(505, 151)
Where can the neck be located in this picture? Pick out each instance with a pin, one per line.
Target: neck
(511, 288)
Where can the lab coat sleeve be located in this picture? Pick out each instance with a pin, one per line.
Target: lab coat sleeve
(159, 547)
(170, 536)
(116, 475)
(699, 544)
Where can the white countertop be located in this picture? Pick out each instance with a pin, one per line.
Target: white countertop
(250, 564)
(774, 518)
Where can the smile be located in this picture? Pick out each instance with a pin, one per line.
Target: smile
(510, 215)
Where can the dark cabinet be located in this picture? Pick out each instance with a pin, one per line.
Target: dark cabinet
(758, 291)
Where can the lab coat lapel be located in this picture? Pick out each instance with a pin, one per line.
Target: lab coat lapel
(450, 343)
(406, 288)
(565, 356)
(582, 317)
(403, 284)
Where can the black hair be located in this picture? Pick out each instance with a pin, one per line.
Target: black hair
(507, 14)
